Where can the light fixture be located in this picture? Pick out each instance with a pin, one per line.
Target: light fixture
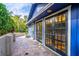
(49, 11)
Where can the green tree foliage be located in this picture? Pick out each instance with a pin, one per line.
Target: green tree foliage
(22, 25)
(16, 23)
(19, 24)
(25, 21)
(6, 24)
(9, 23)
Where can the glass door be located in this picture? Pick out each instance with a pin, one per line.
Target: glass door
(49, 32)
(56, 33)
(39, 31)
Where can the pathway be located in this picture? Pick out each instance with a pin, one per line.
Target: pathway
(28, 47)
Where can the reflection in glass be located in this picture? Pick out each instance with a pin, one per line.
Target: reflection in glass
(39, 31)
(55, 32)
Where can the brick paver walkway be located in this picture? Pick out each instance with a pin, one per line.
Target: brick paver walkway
(28, 47)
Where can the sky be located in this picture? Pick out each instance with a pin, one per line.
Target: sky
(19, 8)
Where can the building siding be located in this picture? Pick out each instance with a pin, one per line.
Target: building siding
(74, 30)
(31, 30)
(78, 31)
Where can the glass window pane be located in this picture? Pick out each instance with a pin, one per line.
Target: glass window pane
(39, 31)
(55, 27)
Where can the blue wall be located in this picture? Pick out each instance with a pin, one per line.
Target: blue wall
(78, 32)
(75, 30)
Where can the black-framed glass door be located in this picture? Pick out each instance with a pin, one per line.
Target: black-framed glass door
(56, 32)
(39, 31)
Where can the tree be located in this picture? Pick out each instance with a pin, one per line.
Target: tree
(16, 22)
(5, 20)
(9, 23)
(19, 23)
(22, 24)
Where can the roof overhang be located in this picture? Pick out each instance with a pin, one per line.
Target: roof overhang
(43, 12)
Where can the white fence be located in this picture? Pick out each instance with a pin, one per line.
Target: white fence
(6, 42)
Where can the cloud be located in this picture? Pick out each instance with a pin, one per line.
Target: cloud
(19, 8)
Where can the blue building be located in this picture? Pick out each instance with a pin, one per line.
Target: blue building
(56, 26)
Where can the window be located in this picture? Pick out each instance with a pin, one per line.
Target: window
(39, 31)
(56, 33)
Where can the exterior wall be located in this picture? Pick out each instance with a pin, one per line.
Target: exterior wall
(31, 28)
(35, 31)
(78, 32)
(6, 42)
(31, 31)
(2, 46)
(43, 31)
(75, 30)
